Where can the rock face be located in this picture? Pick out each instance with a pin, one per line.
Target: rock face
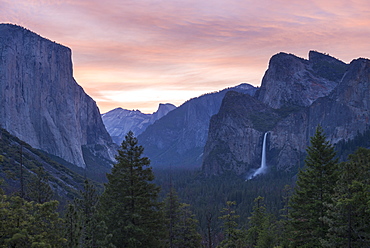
(119, 122)
(292, 101)
(178, 138)
(290, 80)
(234, 135)
(41, 103)
(347, 110)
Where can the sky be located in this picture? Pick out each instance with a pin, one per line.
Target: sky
(139, 53)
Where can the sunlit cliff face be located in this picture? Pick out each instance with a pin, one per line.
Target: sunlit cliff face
(135, 54)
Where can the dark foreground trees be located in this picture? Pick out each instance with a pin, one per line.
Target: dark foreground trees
(129, 205)
(348, 215)
(180, 223)
(29, 224)
(329, 208)
(81, 225)
(313, 194)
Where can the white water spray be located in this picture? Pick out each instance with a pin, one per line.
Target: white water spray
(263, 166)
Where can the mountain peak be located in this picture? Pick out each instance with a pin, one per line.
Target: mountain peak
(314, 56)
(296, 95)
(13, 30)
(283, 57)
(165, 106)
(37, 74)
(178, 138)
(13, 27)
(291, 80)
(162, 110)
(245, 87)
(119, 121)
(327, 66)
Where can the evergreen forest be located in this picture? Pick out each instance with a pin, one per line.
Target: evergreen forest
(325, 203)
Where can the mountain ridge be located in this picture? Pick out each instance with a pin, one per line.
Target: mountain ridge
(119, 121)
(42, 104)
(341, 110)
(177, 140)
(303, 80)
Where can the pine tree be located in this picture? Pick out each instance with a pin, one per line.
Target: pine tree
(256, 221)
(234, 237)
(72, 223)
(87, 206)
(181, 223)
(172, 214)
(38, 189)
(47, 227)
(209, 218)
(268, 235)
(187, 227)
(129, 204)
(262, 231)
(283, 227)
(27, 224)
(349, 213)
(15, 219)
(93, 233)
(313, 193)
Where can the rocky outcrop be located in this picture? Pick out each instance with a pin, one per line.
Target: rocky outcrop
(343, 114)
(178, 139)
(235, 140)
(41, 103)
(163, 109)
(291, 80)
(119, 122)
(235, 134)
(346, 111)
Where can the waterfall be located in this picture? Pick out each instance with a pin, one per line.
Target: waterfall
(262, 168)
(263, 159)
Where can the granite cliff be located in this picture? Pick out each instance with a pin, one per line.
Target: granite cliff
(41, 103)
(295, 97)
(178, 138)
(119, 122)
(290, 80)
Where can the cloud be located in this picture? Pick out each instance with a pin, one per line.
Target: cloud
(194, 46)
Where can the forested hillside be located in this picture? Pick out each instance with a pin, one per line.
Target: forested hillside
(24, 169)
(326, 205)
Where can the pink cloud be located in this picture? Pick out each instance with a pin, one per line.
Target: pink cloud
(195, 45)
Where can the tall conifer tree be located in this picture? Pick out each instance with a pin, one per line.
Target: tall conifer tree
(38, 188)
(129, 203)
(181, 223)
(233, 236)
(94, 234)
(315, 186)
(262, 231)
(72, 229)
(349, 214)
